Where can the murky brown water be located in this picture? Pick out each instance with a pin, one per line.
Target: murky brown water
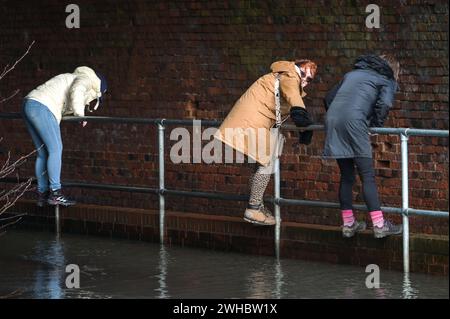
(33, 265)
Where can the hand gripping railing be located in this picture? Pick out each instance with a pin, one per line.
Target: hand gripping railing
(277, 200)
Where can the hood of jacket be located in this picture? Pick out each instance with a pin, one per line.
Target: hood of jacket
(288, 67)
(283, 66)
(87, 71)
(95, 92)
(375, 63)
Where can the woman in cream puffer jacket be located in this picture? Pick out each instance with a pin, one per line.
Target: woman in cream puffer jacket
(43, 108)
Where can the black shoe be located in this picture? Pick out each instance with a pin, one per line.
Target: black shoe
(57, 198)
(42, 198)
(350, 231)
(387, 229)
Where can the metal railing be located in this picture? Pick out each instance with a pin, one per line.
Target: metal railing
(277, 200)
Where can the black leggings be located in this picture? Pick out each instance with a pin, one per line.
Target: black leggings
(366, 172)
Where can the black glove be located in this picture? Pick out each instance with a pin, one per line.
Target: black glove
(300, 116)
(305, 137)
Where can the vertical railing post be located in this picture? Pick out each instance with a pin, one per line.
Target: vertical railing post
(277, 206)
(405, 200)
(57, 221)
(161, 129)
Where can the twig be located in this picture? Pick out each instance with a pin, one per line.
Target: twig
(9, 224)
(6, 70)
(5, 165)
(12, 294)
(17, 188)
(12, 217)
(20, 190)
(8, 168)
(10, 97)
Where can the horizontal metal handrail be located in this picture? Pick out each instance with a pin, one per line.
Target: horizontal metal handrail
(242, 198)
(131, 189)
(289, 127)
(380, 130)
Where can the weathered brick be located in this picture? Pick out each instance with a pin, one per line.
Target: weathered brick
(194, 59)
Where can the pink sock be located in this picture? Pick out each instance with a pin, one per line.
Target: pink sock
(347, 217)
(377, 218)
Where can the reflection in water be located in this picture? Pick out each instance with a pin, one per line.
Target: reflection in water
(265, 280)
(409, 292)
(162, 276)
(34, 264)
(278, 280)
(349, 293)
(380, 293)
(49, 276)
(257, 282)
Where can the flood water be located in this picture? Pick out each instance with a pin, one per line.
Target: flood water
(33, 265)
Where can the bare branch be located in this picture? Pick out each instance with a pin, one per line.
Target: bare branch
(10, 224)
(18, 191)
(13, 294)
(8, 168)
(8, 69)
(5, 165)
(10, 97)
(8, 198)
(13, 191)
(12, 217)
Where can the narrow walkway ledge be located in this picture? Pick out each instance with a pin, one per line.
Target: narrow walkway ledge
(429, 253)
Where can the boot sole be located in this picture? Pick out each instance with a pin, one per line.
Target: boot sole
(60, 204)
(351, 234)
(388, 234)
(257, 223)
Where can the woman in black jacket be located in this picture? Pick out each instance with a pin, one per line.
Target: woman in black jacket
(361, 100)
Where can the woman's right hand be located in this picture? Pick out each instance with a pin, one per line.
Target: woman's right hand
(300, 116)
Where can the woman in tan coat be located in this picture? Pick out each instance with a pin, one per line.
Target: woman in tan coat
(252, 118)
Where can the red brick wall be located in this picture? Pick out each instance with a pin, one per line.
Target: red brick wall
(193, 59)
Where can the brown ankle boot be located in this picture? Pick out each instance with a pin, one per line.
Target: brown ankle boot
(260, 215)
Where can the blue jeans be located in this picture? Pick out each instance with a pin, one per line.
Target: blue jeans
(46, 136)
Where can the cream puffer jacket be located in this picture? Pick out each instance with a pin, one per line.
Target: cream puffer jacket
(69, 93)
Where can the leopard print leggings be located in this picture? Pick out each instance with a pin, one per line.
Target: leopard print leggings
(258, 185)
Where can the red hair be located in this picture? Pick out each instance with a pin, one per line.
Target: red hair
(307, 63)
